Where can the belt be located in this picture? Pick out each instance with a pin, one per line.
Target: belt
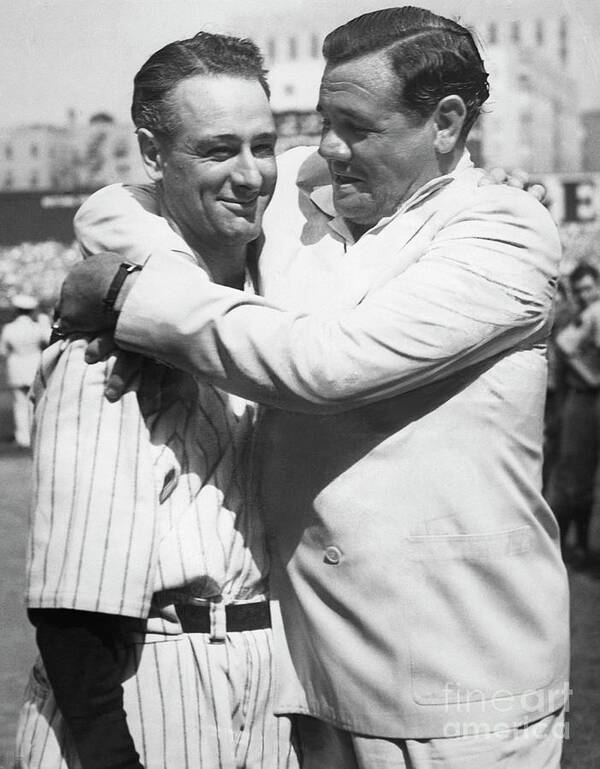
(238, 617)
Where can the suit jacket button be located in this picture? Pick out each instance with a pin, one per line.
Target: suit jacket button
(332, 555)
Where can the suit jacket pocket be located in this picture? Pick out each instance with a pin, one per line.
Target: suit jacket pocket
(484, 614)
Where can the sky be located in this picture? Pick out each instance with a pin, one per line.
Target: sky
(82, 54)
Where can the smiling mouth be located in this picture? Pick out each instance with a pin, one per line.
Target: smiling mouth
(245, 204)
(341, 179)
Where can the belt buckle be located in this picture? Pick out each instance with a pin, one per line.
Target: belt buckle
(218, 622)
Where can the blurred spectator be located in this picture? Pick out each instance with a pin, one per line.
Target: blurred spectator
(37, 269)
(580, 244)
(563, 314)
(44, 322)
(21, 342)
(578, 344)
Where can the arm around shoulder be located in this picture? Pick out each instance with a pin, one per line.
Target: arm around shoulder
(483, 287)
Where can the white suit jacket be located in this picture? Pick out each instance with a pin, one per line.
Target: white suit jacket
(417, 564)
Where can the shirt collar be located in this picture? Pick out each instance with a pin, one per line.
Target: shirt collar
(322, 197)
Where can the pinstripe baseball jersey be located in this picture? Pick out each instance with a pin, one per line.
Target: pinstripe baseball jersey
(138, 506)
(139, 501)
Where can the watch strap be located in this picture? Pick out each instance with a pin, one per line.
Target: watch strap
(125, 269)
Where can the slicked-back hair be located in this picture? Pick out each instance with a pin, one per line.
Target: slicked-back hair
(204, 54)
(432, 57)
(584, 270)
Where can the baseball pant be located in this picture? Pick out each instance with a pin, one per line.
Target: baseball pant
(533, 746)
(190, 704)
(22, 415)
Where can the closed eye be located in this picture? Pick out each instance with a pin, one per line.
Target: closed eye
(356, 128)
(220, 152)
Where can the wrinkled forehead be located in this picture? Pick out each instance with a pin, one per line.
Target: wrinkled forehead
(218, 93)
(368, 78)
(221, 103)
(368, 70)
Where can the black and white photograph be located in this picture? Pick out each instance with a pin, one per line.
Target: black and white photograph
(300, 384)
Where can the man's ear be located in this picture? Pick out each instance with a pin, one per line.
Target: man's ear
(449, 118)
(151, 152)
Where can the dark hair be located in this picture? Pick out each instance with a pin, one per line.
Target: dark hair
(583, 270)
(432, 57)
(204, 54)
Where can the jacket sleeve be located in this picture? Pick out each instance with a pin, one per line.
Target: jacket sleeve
(484, 286)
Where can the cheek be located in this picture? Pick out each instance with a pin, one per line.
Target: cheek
(268, 171)
(381, 161)
(388, 178)
(401, 167)
(201, 179)
(181, 185)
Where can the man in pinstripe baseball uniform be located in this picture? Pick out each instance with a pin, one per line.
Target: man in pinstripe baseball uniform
(147, 569)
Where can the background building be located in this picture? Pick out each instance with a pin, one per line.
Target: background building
(29, 157)
(532, 118)
(70, 157)
(591, 141)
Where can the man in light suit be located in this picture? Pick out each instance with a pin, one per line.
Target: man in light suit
(425, 601)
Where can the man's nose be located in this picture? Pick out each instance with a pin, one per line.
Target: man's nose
(333, 147)
(247, 172)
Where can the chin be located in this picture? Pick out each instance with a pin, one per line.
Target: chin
(355, 211)
(357, 216)
(241, 235)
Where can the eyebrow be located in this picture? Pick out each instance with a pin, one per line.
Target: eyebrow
(353, 114)
(267, 135)
(199, 145)
(235, 137)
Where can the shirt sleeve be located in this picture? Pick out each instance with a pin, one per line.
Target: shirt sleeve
(484, 286)
(95, 530)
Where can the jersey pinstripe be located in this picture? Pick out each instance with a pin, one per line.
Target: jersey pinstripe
(140, 497)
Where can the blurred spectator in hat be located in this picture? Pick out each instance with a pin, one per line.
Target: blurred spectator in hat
(573, 484)
(21, 342)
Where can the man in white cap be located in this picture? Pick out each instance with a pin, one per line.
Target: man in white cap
(21, 342)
